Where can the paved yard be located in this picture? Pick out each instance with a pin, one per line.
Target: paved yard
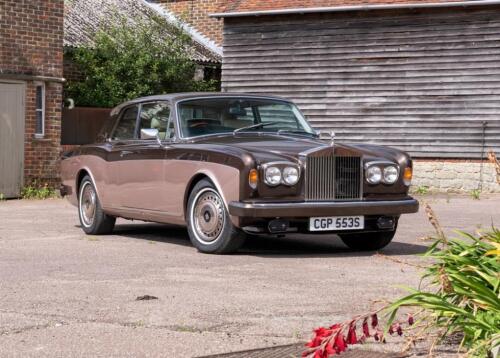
(66, 294)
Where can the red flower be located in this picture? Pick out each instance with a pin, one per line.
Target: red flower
(351, 334)
(316, 341)
(410, 320)
(322, 332)
(374, 320)
(366, 330)
(318, 354)
(399, 330)
(330, 350)
(340, 345)
(391, 329)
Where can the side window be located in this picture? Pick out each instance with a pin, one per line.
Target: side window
(40, 110)
(126, 125)
(156, 116)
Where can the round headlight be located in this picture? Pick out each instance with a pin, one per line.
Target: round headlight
(373, 174)
(290, 175)
(273, 176)
(390, 174)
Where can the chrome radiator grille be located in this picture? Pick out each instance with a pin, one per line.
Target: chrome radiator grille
(333, 178)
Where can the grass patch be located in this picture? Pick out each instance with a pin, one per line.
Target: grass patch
(38, 192)
(475, 194)
(421, 190)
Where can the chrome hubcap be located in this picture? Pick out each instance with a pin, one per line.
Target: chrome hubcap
(88, 201)
(208, 216)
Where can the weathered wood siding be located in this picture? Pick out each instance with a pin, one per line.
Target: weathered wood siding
(424, 81)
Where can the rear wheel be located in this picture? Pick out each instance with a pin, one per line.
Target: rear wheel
(92, 219)
(209, 225)
(368, 241)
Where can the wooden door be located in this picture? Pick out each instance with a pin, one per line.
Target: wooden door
(12, 99)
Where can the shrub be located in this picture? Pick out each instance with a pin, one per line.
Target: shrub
(463, 292)
(37, 191)
(459, 294)
(130, 60)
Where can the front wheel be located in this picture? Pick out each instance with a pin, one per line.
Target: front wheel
(368, 241)
(92, 219)
(209, 226)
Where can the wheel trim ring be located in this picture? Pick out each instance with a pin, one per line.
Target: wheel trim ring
(87, 204)
(196, 214)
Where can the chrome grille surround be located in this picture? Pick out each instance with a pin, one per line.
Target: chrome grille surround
(330, 177)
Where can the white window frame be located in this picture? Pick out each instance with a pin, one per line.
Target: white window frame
(42, 110)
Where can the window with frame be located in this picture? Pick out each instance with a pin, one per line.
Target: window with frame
(125, 129)
(39, 109)
(156, 116)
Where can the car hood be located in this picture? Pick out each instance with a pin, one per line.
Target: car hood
(264, 147)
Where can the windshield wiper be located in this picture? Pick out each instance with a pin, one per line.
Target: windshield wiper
(297, 132)
(253, 126)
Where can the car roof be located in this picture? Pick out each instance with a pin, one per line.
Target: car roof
(175, 97)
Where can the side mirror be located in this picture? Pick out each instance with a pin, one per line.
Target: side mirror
(149, 133)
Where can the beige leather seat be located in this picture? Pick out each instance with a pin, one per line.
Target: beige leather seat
(160, 125)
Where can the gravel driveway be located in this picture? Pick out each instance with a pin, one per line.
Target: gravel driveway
(66, 294)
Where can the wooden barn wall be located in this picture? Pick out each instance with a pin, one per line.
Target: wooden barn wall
(425, 81)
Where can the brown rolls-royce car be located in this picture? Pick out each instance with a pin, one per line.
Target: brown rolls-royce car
(232, 165)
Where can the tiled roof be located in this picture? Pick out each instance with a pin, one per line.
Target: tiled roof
(83, 18)
(267, 5)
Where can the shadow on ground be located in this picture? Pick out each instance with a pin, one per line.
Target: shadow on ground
(267, 246)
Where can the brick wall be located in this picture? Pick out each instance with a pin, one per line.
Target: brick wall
(70, 68)
(31, 44)
(195, 13)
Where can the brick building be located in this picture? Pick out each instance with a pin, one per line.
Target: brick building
(195, 18)
(31, 71)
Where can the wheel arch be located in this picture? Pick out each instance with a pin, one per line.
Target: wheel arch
(79, 177)
(196, 178)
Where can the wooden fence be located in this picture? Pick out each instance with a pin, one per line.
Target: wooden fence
(81, 125)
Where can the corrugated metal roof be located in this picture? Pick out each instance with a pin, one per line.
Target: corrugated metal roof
(83, 18)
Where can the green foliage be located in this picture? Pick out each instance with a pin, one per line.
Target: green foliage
(2, 197)
(463, 291)
(130, 60)
(422, 190)
(36, 191)
(475, 194)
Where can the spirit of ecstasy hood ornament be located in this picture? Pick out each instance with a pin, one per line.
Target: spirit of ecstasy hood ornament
(327, 135)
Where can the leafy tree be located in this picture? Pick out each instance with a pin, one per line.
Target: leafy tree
(133, 59)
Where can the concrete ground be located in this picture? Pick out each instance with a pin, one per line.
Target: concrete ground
(63, 293)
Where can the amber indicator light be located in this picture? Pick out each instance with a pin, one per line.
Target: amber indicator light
(253, 178)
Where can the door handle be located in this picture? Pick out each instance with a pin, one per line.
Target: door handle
(125, 152)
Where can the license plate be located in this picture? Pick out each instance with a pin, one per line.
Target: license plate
(331, 223)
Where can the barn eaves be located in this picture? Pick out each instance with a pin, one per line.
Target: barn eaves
(355, 7)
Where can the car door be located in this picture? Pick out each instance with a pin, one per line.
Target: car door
(123, 136)
(142, 169)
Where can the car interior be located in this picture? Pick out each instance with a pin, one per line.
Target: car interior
(218, 116)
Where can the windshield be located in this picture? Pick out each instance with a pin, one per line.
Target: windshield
(221, 115)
